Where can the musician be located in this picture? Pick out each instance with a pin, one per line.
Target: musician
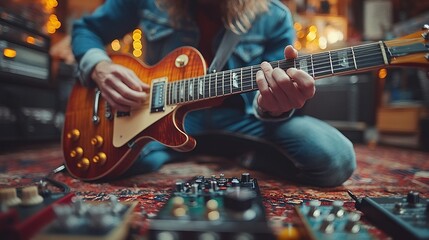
(314, 152)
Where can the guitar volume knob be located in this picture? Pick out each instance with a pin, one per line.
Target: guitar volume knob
(97, 141)
(76, 153)
(100, 158)
(83, 164)
(73, 135)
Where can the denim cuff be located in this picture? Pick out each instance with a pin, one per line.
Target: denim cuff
(265, 116)
(88, 62)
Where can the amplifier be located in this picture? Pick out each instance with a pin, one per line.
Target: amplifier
(25, 116)
(24, 55)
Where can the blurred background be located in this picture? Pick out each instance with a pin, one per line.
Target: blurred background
(384, 106)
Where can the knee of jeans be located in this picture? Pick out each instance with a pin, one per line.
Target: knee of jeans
(339, 169)
(151, 162)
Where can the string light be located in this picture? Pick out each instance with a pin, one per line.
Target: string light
(52, 23)
(116, 45)
(137, 43)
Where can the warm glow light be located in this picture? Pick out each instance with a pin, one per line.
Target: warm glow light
(323, 43)
(137, 53)
(116, 45)
(137, 36)
(312, 28)
(9, 53)
(297, 26)
(382, 73)
(298, 45)
(30, 40)
(137, 45)
(311, 36)
(127, 39)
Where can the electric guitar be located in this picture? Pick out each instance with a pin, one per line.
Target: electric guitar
(100, 143)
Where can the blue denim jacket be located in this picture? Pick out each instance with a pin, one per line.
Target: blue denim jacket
(265, 41)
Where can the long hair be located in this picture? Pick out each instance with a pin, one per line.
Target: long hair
(237, 15)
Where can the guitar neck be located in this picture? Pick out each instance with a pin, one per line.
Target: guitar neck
(337, 62)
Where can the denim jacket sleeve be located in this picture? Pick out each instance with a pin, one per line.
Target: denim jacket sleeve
(91, 33)
(266, 41)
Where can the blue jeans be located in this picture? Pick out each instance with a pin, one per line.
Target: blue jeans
(314, 153)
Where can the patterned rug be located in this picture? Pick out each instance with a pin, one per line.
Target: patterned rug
(381, 171)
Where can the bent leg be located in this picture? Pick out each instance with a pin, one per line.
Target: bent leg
(314, 152)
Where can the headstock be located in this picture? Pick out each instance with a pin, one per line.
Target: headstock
(410, 50)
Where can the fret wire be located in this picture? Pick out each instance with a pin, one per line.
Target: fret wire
(241, 79)
(216, 84)
(251, 76)
(209, 85)
(223, 83)
(354, 57)
(330, 61)
(312, 65)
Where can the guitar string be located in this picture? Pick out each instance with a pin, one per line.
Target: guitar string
(226, 88)
(318, 65)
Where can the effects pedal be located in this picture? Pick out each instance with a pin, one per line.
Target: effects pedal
(89, 220)
(404, 217)
(331, 221)
(25, 212)
(213, 208)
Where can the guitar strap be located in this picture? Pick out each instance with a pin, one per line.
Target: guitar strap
(226, 47)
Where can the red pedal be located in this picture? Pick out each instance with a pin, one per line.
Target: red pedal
(23, 222)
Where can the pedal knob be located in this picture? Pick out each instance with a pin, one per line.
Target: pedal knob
(212, 210)
(337, 209)
(30, 196)
(180, 187)
(179, 208)
(413, 198)
(9, 197)
(327, 225)
(399, 208)
(239, 199)
(245, 177)
(314, 209)
(352, 224)
(213, 186)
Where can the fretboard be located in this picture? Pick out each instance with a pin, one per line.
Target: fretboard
(240, 80)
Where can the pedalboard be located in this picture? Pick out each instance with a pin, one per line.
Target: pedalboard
(404, 217)
(331, 221)
(24, 214)
(104, 220)
(215, 207)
